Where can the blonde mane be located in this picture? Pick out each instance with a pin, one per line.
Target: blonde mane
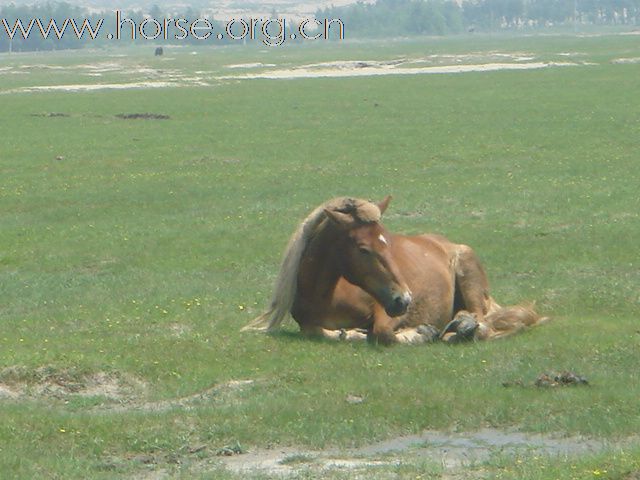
(285, 288)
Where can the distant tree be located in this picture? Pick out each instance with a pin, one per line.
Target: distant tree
(156, 12)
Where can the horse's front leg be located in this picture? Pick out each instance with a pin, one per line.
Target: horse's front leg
(383, 330)
(388, 330)
(472, 283)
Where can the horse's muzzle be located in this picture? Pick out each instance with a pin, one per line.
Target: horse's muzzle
(399, 304)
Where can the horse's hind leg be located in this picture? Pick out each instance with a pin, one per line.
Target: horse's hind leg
(492, 321)
(471, 283)
(472, 295)
(418, 335)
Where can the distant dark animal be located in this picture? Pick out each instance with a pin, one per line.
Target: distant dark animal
(343, 271)
(159, 52)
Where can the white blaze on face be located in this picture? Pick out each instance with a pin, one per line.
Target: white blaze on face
(382, 239)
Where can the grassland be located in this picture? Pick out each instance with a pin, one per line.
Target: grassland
(132, 251)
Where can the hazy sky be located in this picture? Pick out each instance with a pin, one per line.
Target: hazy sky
(220, 8)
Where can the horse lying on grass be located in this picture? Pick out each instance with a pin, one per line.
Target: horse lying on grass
(344, 276)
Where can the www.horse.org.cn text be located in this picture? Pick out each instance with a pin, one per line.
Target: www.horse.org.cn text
(272, 32)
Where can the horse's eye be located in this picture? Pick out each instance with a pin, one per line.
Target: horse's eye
(364, 250)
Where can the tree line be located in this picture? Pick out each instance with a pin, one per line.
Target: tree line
(384, 18)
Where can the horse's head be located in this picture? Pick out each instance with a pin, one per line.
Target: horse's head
(366, 254)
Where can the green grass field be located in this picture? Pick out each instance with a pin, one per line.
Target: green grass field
(132, 251)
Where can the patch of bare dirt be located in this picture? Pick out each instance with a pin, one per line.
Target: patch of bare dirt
(179, 330)
(90, 87)
(553, 379)
(8, 392)
(143, 116)
(50, 382)
(50, 114)
(185, 403)
(118, 392)
(251, 65)
(375, 68)
(626, 60)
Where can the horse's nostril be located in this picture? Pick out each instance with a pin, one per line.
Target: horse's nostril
(399, 303)
(402, 301)
(407, 297)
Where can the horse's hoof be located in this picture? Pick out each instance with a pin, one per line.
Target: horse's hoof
(450, 337)
(429, 333)
(466, 328)
(451, 327)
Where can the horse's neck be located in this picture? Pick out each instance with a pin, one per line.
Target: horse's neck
(320, 268)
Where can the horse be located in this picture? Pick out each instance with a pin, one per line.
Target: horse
(344, 276)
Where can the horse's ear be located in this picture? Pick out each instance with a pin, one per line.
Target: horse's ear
(342, 219)
(384, 203)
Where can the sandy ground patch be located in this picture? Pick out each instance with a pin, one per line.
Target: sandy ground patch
(140, 76)
(478, 57)
(132, 76)
(93, 87)
(102, 67)
(18, 383)
(364, 69)
(173, 81)
(252, 65)
(184, 403)
(8, 392)
(119, 392)
(626, 60)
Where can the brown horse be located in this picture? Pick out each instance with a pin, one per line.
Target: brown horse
(344, 276)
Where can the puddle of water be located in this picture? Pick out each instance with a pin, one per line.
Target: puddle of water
(486, 440)
(451, 450)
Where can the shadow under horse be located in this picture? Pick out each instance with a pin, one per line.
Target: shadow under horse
(344, 276)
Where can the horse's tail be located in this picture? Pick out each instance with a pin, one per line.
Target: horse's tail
(502, 322)
(285, 288)
(282, 300)
(269, 320)
(261, 323)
